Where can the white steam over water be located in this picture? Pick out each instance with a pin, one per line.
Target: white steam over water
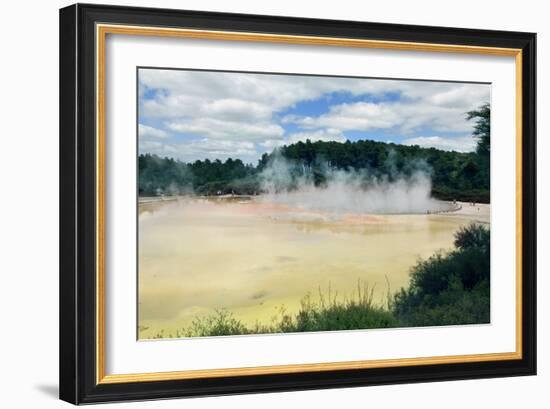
(349, 191)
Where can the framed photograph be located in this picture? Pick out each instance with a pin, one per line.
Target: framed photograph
(257, 203)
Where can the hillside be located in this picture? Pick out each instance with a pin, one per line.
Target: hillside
(454, 175)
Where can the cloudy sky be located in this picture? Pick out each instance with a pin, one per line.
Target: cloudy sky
(192, 115)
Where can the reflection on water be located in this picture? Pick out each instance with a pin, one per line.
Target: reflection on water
(251, 256)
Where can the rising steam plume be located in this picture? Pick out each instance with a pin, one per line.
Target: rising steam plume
(349, 191)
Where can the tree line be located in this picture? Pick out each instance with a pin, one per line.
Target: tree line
(454, 175)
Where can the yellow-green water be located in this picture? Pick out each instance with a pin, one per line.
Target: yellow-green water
(250, 257)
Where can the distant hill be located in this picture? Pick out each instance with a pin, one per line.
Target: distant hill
(454, 175)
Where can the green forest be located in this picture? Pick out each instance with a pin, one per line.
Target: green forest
(454, 175)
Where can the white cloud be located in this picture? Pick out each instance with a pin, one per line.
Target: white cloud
(226, 148)
(157, 147)
(190, 151)
(356, 116)
(243, 107)
(459, 143)
(236, 109)
(405, 117)
(325, 135)
(222, 129)
(273, 91)
(279, 91)
(146, 132)
(272, 143)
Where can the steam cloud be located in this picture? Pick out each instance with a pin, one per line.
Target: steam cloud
(349, 191)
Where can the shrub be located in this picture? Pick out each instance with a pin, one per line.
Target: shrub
(450, 289)
(357, 312)
(221, 322)
(328, 313)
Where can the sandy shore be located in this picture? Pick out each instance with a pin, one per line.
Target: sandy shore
(155, 199)
(480, 212)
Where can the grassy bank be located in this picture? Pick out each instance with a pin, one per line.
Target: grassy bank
(448, 288)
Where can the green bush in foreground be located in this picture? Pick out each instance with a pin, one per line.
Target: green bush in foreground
(446, 289)
(328, 313)
(221, 323)
(450, 289)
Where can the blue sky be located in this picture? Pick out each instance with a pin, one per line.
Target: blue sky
(192, 115)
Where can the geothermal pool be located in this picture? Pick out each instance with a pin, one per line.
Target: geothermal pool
(252, 256)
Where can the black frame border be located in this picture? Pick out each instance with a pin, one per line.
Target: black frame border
(78, 204)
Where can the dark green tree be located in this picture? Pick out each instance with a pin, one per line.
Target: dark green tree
(482, 128)
(454, 175)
